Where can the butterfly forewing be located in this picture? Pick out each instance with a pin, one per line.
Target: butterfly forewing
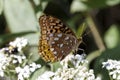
(57, 40)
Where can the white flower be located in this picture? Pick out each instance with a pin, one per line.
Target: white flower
(19, 43)
(17, 58)
(34, 66)
(4, 62)
(6, 57)
(76, 72)
(46, 76)
(25, 72)
(81, 73)
(75, 60)
(1, 73)
(113, 66)
(14, 61)
(18, 69)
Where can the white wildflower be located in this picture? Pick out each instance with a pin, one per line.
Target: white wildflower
(25, 72)
(4, 62)
(113, 66)
(34, 66)
(19, 43)
(75, 60)
(46, 76)
(80, 73)
(17, 58)
(7, 56)
(14, 61)
(77, 72)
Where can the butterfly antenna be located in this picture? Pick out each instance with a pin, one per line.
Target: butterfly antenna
(88, 32)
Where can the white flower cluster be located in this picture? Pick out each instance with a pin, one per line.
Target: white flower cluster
(19, 43)
(113, 66)
(17, 58)
(25, 72)
(75, 72)
(79, 73)
(74, 60)
(8, 59)
(46, 76)
(4, 61)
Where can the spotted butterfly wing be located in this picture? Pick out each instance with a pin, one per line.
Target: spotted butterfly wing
(57, 40)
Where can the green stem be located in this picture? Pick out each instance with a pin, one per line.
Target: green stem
(95, 32)
(27, 60)
(92, 56)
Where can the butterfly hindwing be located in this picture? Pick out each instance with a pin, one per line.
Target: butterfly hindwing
(62, 44)
(57, 40)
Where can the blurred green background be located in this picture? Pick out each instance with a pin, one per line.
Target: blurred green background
(101, 39)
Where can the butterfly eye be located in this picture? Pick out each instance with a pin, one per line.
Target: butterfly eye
(56, 40)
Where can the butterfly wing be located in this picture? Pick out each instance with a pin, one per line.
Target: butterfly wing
(62, 44)
(57, 40)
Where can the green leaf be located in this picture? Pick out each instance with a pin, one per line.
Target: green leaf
(7, 37)
(37, 73)
(20, 17)
(40, 6)
(108, 54)
(112, 36)
(1, 6)
(81, 30)
(77, 6)
(112, 2)
(55, 66)
(86, 5)
(101, 3)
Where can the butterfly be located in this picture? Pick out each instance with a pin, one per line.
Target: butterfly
(57, 40)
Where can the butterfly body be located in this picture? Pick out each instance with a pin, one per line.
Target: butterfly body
(57, 40)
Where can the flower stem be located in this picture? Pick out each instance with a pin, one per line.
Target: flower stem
(95, 32)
